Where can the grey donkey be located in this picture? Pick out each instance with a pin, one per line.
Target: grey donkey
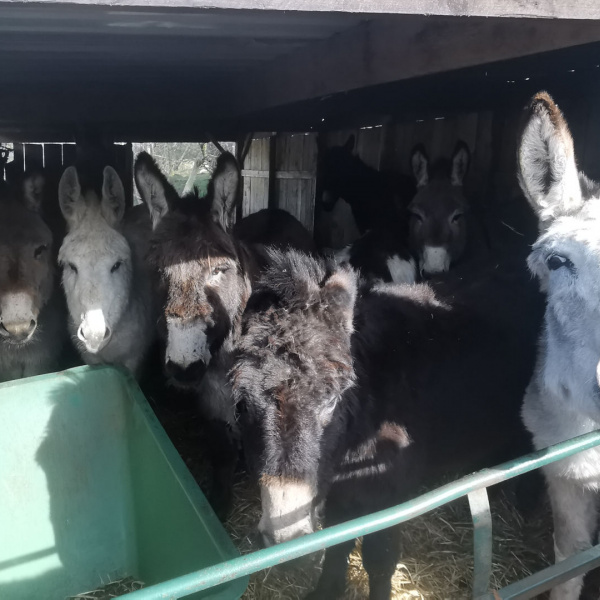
(563, 397)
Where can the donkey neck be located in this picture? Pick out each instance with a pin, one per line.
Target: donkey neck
(567, 363)
(362, 184)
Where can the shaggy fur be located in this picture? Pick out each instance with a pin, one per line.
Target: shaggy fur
(563, 398)
(343, 391)
(108, 287)
(32, 319)
(208, 271)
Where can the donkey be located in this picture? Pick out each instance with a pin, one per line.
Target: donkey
(440, 223)
(563, 398)
(381, 254)
(208, 271)
(376, 198)
(32, 319)
(107, 285)
(344, 389)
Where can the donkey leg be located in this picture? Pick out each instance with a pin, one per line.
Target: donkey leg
(332, 583)
(574, 510)
(223, 455)
(380, 554)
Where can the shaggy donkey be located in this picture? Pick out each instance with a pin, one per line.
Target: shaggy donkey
(32, 319)
(360, 396)
(208, 272)
(563, 398)
(107, 285)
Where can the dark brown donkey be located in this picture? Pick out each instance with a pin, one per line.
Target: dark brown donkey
(208, 271)
(358, 396)
(441, 226)
(32, 318)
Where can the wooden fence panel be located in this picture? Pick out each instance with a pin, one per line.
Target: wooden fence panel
(255, 177)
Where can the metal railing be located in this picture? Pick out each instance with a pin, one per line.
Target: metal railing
(473, 486)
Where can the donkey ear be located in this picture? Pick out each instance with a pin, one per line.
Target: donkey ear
(420, 165)
(224, 187)
(350, 144)
(113, 196)
(33, 191)
(546, 167)
(71, 203)
(156, 192)
(339, 293)
(461, 159)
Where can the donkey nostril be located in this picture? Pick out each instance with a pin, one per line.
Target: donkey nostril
(80, 334)
(107, 333)
(32, 326)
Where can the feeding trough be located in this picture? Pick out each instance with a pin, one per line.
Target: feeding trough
(92, 491)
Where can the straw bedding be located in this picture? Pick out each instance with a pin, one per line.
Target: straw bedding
(437, 557)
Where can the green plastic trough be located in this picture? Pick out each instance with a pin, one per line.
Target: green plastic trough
(92, 490)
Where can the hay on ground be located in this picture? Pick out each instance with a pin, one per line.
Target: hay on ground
(114, 589)
(437, 552)
(437, 558)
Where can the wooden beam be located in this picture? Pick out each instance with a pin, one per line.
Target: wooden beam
(272, 199)
(278, 174)
(383, 51)
(560, 9)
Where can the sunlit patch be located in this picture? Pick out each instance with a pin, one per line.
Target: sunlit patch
(287, 509)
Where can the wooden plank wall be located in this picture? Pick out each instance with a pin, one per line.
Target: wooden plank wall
(293, 178)
(297, 155)
(492, 137)
(256, 187)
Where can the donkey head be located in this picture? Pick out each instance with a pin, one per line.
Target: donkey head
(95, 256)
(566, 256)
(26, 266)
(335, 168)
(199, 262)
(438, 231)
(293, 368)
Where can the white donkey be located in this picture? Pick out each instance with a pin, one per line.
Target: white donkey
(563, 398)
(106, 282)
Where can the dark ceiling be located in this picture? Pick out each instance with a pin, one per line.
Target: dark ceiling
(139, 73)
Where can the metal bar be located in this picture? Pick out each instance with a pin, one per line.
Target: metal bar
(482, 541)
(549, 577)
(269, 557)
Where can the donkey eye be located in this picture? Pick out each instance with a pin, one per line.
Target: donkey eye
(556, 261)
(39, 251)
(220, 269)
(116, 266)
(417, 217)
(72, 267)
(457, 217)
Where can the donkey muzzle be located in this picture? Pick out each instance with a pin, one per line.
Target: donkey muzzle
(189, 375)
(18, 316)
(93, 331)
(19, 331)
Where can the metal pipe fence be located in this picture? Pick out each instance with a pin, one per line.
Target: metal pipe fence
(473, 486)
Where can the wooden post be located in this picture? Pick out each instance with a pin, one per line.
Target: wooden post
(272, 200)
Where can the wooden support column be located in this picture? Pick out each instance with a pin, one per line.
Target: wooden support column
(273, 200)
